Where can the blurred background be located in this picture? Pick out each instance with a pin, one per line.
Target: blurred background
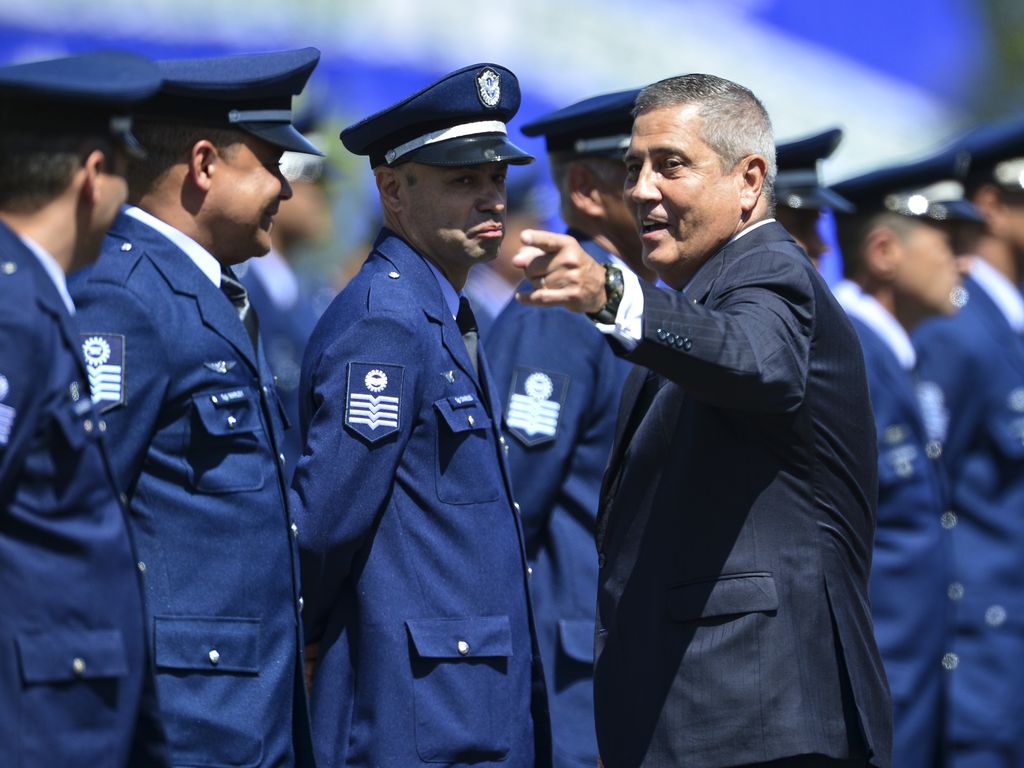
(902, 78)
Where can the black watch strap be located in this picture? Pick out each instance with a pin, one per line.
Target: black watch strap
(613, 288)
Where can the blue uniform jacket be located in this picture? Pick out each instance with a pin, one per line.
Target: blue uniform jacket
(910, 572)
(977, 362)
(560, 384)
(416, 578)
(75, 683)
(194, 426)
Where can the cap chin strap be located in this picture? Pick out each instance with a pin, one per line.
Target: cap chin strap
(454, 132)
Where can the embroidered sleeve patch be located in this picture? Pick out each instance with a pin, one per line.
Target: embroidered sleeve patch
(535, 404)
(373, 400)
(104, 361)
(7, 412)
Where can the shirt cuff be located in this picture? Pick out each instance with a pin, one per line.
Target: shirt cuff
(628, 328)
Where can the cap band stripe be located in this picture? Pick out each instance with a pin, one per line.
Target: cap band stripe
(454, 132)
(260, 115)
(797, 178)
(601, 144)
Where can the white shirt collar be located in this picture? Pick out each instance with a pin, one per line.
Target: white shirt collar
(869, 311)
(201, 257)
(451, 298)
(60, 280)
(1003, 293)
(276, 275)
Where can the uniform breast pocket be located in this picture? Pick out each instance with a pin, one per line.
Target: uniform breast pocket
(467, 464)
(71, 690)
(226, 453)
(461, 688)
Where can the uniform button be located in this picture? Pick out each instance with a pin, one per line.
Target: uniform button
(501, 439)
(687, 344)
(214, 657)
(126, 247)
(141, 566)
(124, 499)
(213, 399)
(393, 275)
(231, 422)
(280, 457)
(600, 559)
(78, 666)
(948, 520)
(9, 267)
(955, 591)
(88, 425)
(950, 661)
(294, 529)
(933, 449)
(995, 616)
(102, 425)
(463, 647)
(301, 603)
(529, 571)
(471, 421)
(515, 506)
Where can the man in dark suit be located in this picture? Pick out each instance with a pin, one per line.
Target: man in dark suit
(189, 402)
(734, 538)
(412, 553)
(76, 683)
(900, 271)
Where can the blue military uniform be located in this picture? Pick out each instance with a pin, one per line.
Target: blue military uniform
(195, 432)
(415, 573)
(75, 679)
(560, 384)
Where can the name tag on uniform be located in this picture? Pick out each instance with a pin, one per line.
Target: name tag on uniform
(373, 399)
(104, 361)
(535, 404)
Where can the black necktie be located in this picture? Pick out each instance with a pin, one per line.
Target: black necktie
(470, 335)
(238, 296)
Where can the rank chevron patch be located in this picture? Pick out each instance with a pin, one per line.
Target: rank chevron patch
(373, 401)
(104, 361)
(534, 405)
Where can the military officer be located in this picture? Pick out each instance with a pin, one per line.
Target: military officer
(560, 385)
(900, 270)
(76, 686)
(415, 573)
(188, 398)
(974, 364)
(800, 194)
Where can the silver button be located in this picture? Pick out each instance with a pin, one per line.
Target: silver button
(955, 591)
(231, 422)
(280, 457)
(995, 616)
(75, 394)
(88, 425)
(213, 399)
(529, 571)
(948, 520)
(471, 421)
(124, 499)
(141, 566)
(393, 275)
(78, 666)
(933, 449)
(126, 247)
(463, 647)
(214, 657)
(9, 267)
(102, 425)
(515, 506)
(301, 603)
(950, 661)
(295, 529)
(501, 439)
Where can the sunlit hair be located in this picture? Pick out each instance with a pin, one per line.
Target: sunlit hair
(734, 123)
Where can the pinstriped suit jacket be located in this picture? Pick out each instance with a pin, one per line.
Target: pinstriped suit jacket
(736, 527)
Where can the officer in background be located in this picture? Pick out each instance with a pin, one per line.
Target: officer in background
(415, 573)
(285, 310)
(76, 685)
(560, 385)
(900, 270)
(187, 395)
(800, 195)
(974, 363)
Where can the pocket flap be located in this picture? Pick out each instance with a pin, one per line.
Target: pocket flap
(465, 416)
(739, 593)
(213, 644)
(60, 656)
(577, 638)
(461, 638)
(228, 412)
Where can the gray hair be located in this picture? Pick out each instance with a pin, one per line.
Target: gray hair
(735, 123)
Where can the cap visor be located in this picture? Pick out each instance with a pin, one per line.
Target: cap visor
(282, 135)
(470, 150)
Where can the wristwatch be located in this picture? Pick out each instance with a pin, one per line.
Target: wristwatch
(613, 287)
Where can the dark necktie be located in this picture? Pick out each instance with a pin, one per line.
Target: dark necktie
(238, 296)
(466, 321)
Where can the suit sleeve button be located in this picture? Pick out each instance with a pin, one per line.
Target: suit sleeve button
(687, 344)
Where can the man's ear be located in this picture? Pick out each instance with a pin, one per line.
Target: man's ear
(882, 251)
(389, 185)
(751, 172)
(89, 176)
(584, 190)
(988, 199)
(203, 160)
